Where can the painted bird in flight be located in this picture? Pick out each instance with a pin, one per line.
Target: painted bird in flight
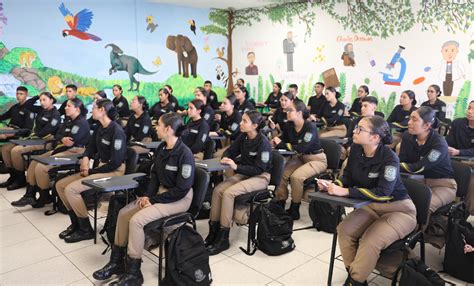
(79, 23)
(192, 26)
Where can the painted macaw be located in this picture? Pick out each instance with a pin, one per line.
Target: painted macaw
(79, 24)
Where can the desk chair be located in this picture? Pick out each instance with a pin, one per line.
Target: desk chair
(261, 197)
(209, 148)
(155, 230)
(333, 156)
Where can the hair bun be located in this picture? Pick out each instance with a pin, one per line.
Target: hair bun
(387, 139)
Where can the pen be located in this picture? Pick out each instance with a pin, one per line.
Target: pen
(103, 179)
(65, 159)
(201, 164)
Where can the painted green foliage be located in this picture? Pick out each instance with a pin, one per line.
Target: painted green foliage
(342, 87)
(462, 100)
(353, 92)
(13, 57)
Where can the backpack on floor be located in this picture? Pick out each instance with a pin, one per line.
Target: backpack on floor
(457, 263)
(415, 272)
(107, 233)
(324, 216)
(187, 259)
(274, 231)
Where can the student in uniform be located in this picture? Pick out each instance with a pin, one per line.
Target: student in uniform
(138, 127)
(207, 111)
(71, 92)
(163, 106)
(273, 99)
(371, 174)
(172, 99)
(279, 119)
(240, 82)
(461, 143)
(19, 113)
(93, 124)
(400, 115)
(332, 116)
(424, 151)
(302, 137)
(250, 157)
(211, 95)
(197, 129)
(169, 192)
(108, 146)
(433, 92)
(362, 92)
(45, 127)
(243, 104)
(293, 89)
(120, 102)
(71, 138)
(316, 102)
(229, 124)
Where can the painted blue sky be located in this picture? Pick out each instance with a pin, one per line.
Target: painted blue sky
(39, 24)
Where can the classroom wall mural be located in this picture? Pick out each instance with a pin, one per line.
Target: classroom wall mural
(390, 46)
(140, 45)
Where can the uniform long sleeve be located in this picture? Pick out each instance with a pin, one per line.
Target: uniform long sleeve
(426, 163)
(117, 156)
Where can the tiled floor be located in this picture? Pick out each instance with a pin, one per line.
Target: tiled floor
(32, 254)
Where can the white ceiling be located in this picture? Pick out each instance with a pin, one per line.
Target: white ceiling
(219, 4)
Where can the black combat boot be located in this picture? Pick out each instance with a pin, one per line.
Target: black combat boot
(29, 198)
(83, 232)
(221, 242)
(71, 228)
(294, 211)
(213, 230)
(133, 275)
(116, 264)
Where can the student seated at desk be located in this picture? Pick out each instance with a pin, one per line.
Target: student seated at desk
(243, 104)
(71, 93)
(229, 124)
(316, 102)
(71, 138)
(461, 143)
(372, 174)
(250, 157)
(423, 151)
(278, 120)
(310, 159)
(398, 118)
(333, 113)
(19, 114)
(207, 112)
(197, 130)
(211, 95)
(46, 125)
(169, 192)
(172, 99)
(356, 106)
(273, 99)
(93, 124)
(120, 103)
(138, 127)
(163, 106)
(433, 92)
(108, 146)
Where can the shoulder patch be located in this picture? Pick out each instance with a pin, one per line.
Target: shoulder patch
(308, 136)
(434, 155)
(340, 112)
(120, 104)
(204, 137)
(186, 171)
(234, 126)
(145, 129)
(32, 115)
(75, 129)
(206, 116)
(265, 156)
(118, 144)
(390, 173)
(443, 108)
(54, 122)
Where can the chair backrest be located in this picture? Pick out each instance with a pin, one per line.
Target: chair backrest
(420, 194)
(201, 182)
(278, 164)
(444, 127)
(462, 176)
(209, 148)
(332, 151)
(132, 161)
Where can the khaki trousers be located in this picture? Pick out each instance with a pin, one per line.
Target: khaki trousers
(37, 173)
(443, 192)
(297, 170)
(142, 150)
(70, 188)
(218, 154)
(365, 232)
(222, 204)
(7, 154)
(397, 138)
(132, 219)
(335, 131)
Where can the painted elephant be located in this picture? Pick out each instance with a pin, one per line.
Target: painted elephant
(186, 52)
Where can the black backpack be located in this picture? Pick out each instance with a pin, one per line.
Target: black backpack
(415, 272)
(274, 231)
(457, 263)
(187, 259)
(324, 216)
